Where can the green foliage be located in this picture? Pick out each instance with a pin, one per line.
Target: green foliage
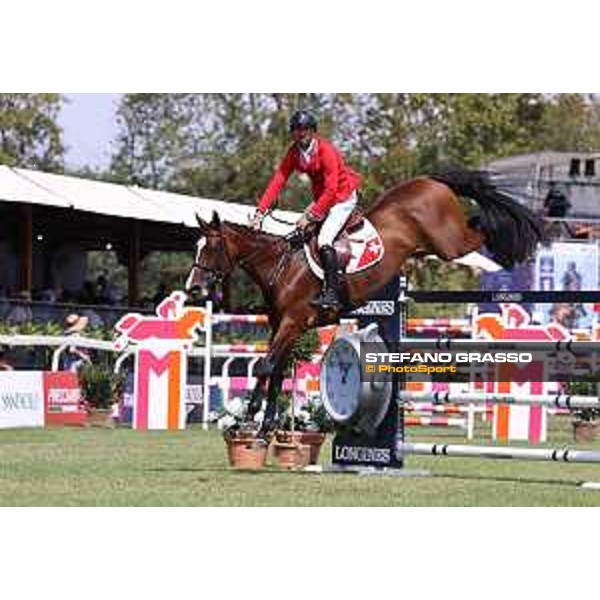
(52, 328)
(311, 417)
(304, 348)
(30, 136)
(584, 388)
(100, 387)
(432, 275)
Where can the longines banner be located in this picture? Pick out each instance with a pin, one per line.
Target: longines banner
(21, 399)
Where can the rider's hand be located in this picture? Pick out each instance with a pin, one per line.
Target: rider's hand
(256, 220)
(306, 220)
(303, 222)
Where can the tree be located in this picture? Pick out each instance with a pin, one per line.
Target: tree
(151, 138)
(571, 122)
(30, 136)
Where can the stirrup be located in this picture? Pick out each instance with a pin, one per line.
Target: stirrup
(327, 300)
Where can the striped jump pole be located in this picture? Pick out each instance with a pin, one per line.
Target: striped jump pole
(554, 400)
(444, 409)
(424, 421)
(506, 452)
(241, 319)
(440, 327)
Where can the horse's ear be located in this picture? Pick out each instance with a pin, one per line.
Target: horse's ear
(216, 220)
(202, 224)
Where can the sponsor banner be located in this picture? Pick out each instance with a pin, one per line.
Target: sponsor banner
(376, 308)
(21, 399)
(567, 267)
(64, 403)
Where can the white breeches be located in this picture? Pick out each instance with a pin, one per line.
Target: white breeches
(336, 219)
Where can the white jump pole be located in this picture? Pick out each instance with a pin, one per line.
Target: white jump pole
(555, 400)
(500, 452)
(207, 364)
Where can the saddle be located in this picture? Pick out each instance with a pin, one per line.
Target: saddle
(359, 247)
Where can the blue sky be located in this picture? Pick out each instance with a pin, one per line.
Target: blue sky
(89, 125)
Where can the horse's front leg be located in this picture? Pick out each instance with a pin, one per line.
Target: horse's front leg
(274, 364)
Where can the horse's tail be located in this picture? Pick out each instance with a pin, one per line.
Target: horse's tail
(511, 231)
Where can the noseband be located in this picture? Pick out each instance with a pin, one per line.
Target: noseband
(220, 271)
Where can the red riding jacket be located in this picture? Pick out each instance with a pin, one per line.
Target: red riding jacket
(332, 180)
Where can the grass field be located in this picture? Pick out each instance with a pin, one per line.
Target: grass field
(120, 467)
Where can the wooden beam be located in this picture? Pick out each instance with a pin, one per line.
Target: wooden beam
(133, 264)
(26, 248)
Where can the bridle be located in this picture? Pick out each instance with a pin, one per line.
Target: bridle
(219, 272)
(226, 264)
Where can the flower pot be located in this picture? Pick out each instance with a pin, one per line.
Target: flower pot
(100, 417)
(314, 440)
(288, 437)
(585, 431)
(291, 456)
(245, 453)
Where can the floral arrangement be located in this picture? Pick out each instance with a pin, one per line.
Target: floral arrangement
(233, 418)
(312, 416)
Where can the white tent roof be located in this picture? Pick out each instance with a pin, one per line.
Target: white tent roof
(35, 187)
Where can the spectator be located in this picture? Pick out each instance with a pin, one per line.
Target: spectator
(21, 311)
(75, 357)
(556, 205)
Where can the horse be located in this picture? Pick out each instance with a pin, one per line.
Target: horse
(417, 217)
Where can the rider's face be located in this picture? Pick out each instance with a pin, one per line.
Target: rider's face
(303, 137)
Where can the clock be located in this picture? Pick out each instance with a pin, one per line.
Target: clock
(351, 396)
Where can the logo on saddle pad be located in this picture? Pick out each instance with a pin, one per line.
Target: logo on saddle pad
(357, 250)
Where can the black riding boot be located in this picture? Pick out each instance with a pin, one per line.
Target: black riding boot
(329, 297)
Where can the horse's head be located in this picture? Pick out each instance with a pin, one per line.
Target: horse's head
(215, 256)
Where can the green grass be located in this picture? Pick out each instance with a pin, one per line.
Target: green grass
(120, 467)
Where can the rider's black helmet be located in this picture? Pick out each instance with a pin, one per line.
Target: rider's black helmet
(302, 119)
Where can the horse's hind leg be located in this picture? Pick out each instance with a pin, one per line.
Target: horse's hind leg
(452, 240)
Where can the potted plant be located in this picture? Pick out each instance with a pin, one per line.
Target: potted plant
(244, 450)
(307, 426)
(586, 423)
(100, 389)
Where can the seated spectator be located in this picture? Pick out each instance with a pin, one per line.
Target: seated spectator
(94, 320)
(21, 311)
(75, 357)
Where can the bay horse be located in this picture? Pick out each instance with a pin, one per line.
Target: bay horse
(420, 216)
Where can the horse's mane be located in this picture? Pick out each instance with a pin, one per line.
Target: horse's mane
(246, 231)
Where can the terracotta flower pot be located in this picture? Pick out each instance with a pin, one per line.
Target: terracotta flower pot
(313, 439)
(288, 437)
(100, 417)
(245, 453)
(291, 456)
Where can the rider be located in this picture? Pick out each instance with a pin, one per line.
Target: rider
(334, 188)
